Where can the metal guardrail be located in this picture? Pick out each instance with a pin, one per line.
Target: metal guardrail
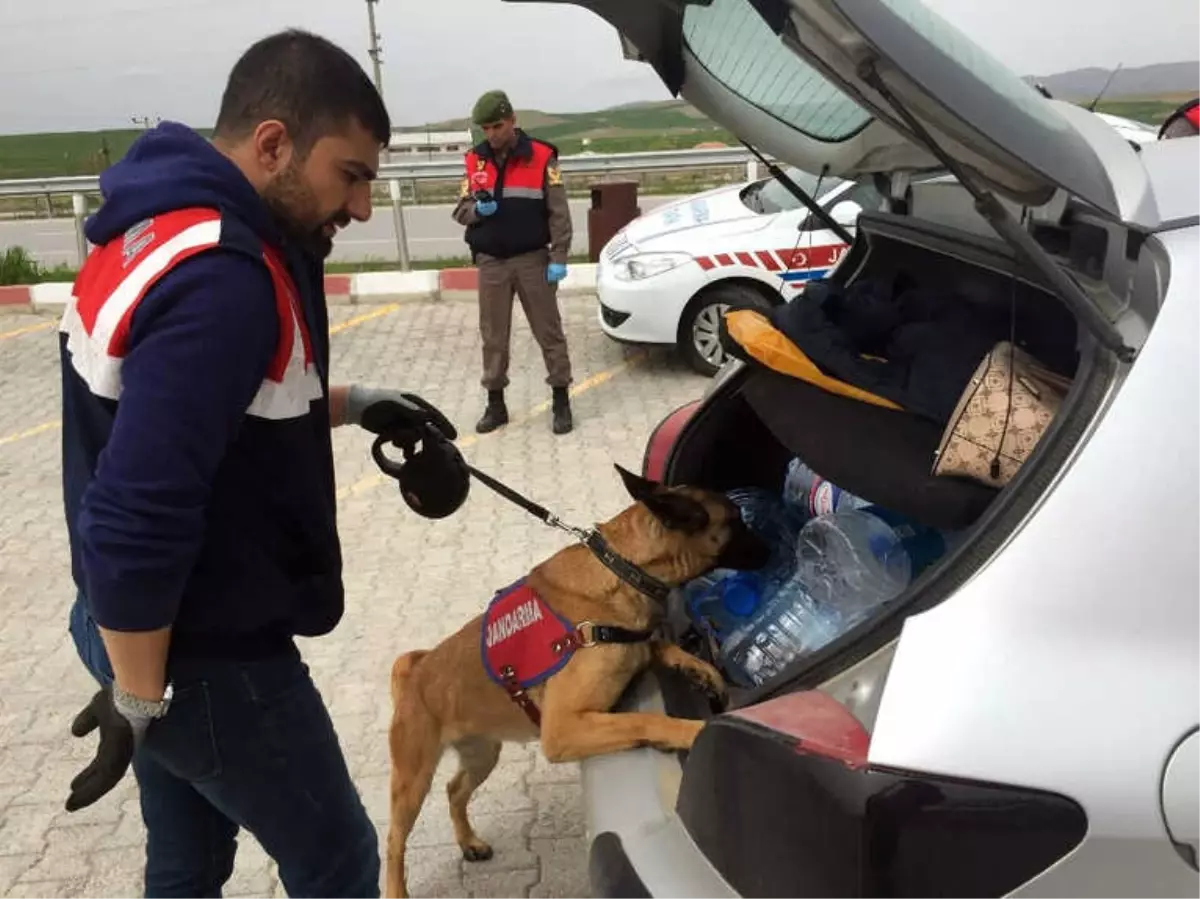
(394, 173)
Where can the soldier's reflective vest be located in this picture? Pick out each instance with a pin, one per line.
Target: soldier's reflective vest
(521, 221)
(116, 276)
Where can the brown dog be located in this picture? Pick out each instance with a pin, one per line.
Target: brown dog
(447, 697)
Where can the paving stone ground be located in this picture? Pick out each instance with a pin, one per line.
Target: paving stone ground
(409, 582)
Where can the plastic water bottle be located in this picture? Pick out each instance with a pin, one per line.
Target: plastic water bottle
(814, 495)
(790, 625)
(722, 601)
(765, 513)
(855, 560)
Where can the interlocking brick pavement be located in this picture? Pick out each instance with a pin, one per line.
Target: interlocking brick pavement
(409, 582)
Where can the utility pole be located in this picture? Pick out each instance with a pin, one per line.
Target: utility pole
(374, 51)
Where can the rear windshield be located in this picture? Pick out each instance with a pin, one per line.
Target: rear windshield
(731, 40)
(970, 56)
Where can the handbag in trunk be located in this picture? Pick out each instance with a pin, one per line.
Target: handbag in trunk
(1006, 407)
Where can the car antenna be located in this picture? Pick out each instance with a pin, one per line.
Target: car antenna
(798, 192)
(1111, 75)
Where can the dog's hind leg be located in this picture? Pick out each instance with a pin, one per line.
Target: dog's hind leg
(477, 757)
(415, 745)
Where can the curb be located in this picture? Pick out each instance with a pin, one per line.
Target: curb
(363, 288)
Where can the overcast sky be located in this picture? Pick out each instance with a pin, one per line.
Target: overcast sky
(90, 64)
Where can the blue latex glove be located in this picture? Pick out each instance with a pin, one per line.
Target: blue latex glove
(555, 272)
(486, 208)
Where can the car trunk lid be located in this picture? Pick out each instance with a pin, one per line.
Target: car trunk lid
(797, 78)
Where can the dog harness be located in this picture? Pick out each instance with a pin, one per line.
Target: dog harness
(523, 642)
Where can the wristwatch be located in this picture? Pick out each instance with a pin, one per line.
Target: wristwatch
(132, 706)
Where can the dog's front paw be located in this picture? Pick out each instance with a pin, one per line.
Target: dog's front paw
(709, 680)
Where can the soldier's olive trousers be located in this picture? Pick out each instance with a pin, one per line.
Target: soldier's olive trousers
(524, 275)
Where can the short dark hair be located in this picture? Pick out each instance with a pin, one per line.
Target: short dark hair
(307, 82)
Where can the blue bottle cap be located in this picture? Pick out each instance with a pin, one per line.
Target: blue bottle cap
(739, 595)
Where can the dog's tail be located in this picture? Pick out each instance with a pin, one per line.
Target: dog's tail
(402, 668)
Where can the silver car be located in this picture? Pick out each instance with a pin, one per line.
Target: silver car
(1023, 719)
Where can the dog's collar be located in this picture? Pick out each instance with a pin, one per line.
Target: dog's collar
(631, 574)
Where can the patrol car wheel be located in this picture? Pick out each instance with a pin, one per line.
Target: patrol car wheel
(700, 326)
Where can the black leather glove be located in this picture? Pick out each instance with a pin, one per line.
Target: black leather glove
(398, 416)
(118, 739)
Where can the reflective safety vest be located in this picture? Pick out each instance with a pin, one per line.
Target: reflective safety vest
(116, 276)
(520, 223)
(255, 501)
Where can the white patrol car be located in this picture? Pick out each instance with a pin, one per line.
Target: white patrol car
(668, 276)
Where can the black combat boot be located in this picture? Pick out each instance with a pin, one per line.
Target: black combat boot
(496, 413)
(561, 408)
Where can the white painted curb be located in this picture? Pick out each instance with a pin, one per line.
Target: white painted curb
(50, 296)
(380, 287)
(365, 287)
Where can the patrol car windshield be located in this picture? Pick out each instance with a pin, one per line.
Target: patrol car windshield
(770, 196)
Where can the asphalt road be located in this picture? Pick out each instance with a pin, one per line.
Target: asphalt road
(432, 234)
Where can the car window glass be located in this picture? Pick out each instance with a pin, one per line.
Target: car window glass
(774, 197)
(865, 195)
(731, 41)
(966, 53)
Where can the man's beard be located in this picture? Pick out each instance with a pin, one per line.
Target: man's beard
(291, 204)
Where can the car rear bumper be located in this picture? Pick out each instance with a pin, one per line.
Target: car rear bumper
(639, 845)
(646, 311)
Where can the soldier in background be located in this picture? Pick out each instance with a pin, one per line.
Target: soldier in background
(514, 207)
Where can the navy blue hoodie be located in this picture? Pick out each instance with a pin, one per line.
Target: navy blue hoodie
(186, 503)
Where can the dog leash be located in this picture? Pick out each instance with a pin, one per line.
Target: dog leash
(631, 574)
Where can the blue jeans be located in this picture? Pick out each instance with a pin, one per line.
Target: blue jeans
(244, 744)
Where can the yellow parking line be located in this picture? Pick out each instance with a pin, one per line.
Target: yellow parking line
(365, 317)
(371, 481)
(44, 326)
(53, 425)
(32, 432)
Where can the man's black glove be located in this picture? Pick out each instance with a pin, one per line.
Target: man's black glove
(118, 738)
(398, 416)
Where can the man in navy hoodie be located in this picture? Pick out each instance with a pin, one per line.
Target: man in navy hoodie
(198, 473)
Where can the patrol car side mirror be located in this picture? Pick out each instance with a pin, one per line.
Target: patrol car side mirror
(846, 213)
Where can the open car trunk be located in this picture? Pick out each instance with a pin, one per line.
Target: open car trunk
(759, 420)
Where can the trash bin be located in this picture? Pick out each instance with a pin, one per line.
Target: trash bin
(614, 205)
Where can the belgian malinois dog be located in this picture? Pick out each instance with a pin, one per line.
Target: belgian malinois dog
(448, 696)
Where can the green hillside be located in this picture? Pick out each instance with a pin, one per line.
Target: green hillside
(642, 126)
(668, 125)
(65, 153)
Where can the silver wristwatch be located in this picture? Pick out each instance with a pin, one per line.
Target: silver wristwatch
(132, 706)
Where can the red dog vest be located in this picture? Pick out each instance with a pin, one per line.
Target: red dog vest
(521, 634)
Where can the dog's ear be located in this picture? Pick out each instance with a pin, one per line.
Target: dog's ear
(676, 511)
(639, 488)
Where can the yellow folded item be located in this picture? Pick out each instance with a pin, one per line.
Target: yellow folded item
(772, 348)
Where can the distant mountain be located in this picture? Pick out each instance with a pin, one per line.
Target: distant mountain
(649, 125)
(1155, 80)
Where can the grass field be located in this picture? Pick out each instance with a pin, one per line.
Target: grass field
(651, 126)
(668, 125)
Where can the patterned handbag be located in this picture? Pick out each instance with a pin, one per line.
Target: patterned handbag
(1006, 407)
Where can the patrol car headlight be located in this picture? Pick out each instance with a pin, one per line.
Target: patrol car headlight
(647, 265)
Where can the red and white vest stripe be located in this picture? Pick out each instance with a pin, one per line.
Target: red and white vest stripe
(117, 275)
